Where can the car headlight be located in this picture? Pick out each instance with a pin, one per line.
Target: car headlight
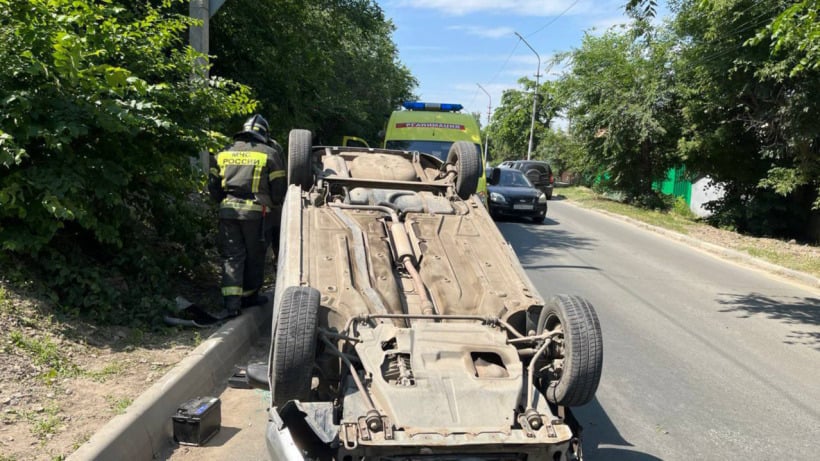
(542, 198)
(496, 197)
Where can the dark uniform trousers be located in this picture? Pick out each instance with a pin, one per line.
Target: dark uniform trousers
(243, 247)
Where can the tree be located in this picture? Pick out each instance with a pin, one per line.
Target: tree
(98, 118)
(750, 109)
(326, 65)
(564, 153)
(622, 103)
(510, 129)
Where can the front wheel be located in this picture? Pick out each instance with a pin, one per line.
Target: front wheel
(570, 373)
(294, 344)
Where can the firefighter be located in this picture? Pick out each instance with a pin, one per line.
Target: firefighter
(248, 179)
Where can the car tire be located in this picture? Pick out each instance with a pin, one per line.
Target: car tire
(534, 176)
(467, 160)
(539, 219)
(300, 145)
(294, 344)
(581, 353)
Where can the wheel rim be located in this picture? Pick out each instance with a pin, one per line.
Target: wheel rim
(553, 365)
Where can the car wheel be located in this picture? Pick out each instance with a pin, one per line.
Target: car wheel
(534, 176)
(539, 219)
(570, 372)
(294, 344)
(300, 144)
(467, 161)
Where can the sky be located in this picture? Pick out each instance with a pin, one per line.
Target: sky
(450, 46)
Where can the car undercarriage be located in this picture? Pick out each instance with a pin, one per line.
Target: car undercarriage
(404, 326)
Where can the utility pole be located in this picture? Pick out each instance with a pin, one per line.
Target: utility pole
(487, 136)
(535, 94)
(198, 37)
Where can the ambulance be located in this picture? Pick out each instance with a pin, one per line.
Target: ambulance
(432, 128)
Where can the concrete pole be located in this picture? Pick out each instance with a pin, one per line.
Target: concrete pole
(487, 137)
(198, 36)
(535, 94)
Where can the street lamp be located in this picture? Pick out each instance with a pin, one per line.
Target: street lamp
(487, 136)
(535, 95)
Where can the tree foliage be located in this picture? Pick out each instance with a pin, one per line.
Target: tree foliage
(751, 106)
(99, 116)
(729, 89)
(326, 65)
(622, 106)
(512, 119)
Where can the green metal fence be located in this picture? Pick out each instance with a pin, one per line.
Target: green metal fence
(675, 184)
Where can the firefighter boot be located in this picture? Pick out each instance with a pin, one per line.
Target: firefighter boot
(232, 307)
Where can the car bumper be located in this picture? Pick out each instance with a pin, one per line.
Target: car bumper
(546, 189)
(502, 209)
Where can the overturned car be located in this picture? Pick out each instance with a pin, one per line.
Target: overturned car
(404, 327)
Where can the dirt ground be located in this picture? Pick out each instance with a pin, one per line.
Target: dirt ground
(62, 380)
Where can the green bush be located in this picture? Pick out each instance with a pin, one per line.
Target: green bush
(681, 208)
(100, 113)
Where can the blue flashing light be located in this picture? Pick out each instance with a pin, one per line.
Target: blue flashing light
(432, 106)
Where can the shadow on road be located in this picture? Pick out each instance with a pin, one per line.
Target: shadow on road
(792, 310)
(601, 439)
(532, 242)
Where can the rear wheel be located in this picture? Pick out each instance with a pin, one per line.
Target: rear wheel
(534, 176)
(294, 344)
(300, 144)
(571, 372)
(467, 160)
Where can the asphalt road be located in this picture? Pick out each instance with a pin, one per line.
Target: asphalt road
(703, 358)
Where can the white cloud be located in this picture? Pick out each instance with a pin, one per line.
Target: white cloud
(517, 7)
(488, 32)
(600, 26)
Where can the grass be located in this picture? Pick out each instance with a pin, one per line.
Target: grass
(681, 220)
(112, 369)
(798, 262)
(44, 352)
(45, 423)
(118, 404)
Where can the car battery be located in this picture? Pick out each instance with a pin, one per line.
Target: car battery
(197, 420)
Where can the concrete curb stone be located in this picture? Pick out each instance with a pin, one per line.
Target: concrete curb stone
(726, 253)
(145, 429)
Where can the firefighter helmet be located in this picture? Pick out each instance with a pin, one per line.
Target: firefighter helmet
(255, 127)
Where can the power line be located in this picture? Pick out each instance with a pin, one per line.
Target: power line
(753, 23)
(506, 61)
(554, 19)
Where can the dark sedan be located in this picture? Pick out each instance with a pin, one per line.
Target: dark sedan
(512, 194)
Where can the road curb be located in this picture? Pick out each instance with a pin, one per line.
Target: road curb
(145, 429)
(726, 253)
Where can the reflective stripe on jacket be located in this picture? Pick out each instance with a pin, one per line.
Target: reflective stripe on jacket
(248, 178)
